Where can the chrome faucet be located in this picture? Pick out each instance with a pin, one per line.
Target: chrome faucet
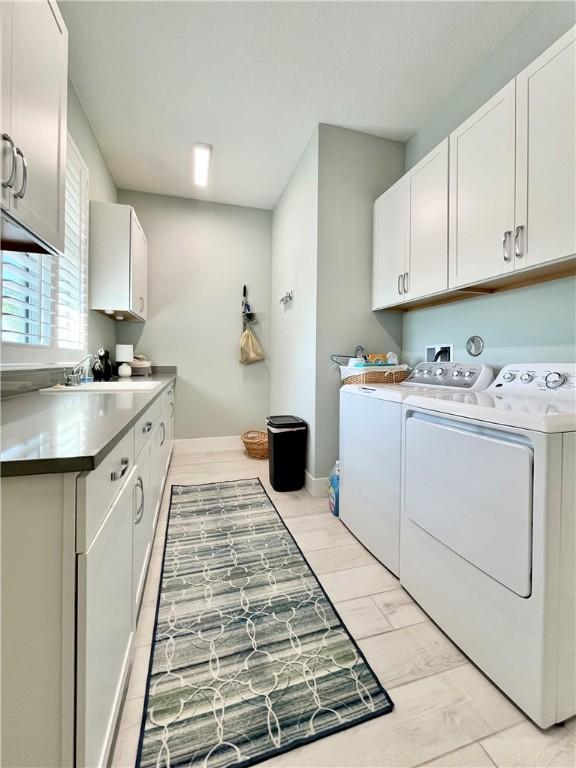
(74, 379)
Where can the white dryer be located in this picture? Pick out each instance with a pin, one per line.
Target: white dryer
(370, 450)
(488, 533)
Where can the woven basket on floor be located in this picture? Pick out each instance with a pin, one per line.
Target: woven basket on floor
(376, 377)
(256, 443)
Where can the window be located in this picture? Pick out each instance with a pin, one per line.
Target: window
(44, 297)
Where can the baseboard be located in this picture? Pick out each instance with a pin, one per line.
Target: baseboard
(316, 486)
(232, 442)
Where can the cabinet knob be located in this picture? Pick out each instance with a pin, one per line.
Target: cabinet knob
(119, 473)
(22, 191)
(505, 241)
(517, 241)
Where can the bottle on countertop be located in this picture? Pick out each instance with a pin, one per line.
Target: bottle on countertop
(334, 489)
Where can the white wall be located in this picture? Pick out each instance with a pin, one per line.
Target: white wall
(293, 328)
(354, 169)
(200, 255)
(101, 330)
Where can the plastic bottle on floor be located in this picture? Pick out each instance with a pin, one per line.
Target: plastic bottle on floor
(334, 488)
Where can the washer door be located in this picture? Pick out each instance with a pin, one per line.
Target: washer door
(470, 488)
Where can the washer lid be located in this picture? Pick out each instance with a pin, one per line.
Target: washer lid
(537, 414)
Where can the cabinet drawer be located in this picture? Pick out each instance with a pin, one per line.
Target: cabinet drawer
(145, 427)
(96, 490)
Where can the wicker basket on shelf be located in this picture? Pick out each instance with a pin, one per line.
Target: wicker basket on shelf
(256, 443)
(376, 377)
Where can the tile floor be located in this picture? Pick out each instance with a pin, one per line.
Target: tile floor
(446, 712)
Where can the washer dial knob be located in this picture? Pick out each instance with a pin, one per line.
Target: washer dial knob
(427, 372)
(439, 372)
(468, 374)
(508, 376)
(526, 378)
(456, 374)
(554, 380)
(417, 372)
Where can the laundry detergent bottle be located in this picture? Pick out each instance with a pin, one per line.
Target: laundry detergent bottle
(334, 489)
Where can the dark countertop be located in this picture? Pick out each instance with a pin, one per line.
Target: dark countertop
(45, 432)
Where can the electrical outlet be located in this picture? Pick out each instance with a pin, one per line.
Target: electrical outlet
(445, 353)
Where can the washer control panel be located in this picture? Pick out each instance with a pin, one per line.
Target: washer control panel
(469, 376)
(539, 379)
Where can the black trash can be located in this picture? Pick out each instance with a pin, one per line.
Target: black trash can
(287, 439)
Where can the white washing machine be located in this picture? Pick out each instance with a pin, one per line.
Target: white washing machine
(370, 450)
(488, 533)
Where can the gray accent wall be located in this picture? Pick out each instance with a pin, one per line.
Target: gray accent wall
(531, 324)
(101, 330)
(354, 169)
(294, 267)
(199, 256)
(322, 249)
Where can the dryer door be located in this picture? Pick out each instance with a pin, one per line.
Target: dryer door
(470, 488)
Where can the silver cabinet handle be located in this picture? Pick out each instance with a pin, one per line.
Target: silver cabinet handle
(517, 244)
(118, 473)
(22, 191)
(140, 511)
(147, 427)
(505, 252)
(10, 180)
(163, 427)
(141, 304)
(400, 282)
(405, 282)
(171, 409)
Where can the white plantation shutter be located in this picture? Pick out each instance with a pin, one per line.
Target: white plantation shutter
(71, 319)
(44, 297)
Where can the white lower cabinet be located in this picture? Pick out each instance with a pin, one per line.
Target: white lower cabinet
(84, 541)
(112, 572)
(105, 626)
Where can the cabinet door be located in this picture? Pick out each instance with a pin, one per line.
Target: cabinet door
(105, 628)
(144, 511)
(427, 265)
(38, 117)
(7, 156)
(138, 268)
(482, 179)
(389, 246)
(546, 156)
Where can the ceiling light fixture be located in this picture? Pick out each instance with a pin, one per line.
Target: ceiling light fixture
(202, 156)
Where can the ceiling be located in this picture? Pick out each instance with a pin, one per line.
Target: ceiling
(254, 79)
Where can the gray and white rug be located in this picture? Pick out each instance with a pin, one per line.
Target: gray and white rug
(250, 658)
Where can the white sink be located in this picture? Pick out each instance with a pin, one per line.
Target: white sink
(108, 386)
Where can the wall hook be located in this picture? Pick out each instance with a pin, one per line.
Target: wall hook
(287, 297)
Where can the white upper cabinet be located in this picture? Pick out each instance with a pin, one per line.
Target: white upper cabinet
(427, 265)
(389, 249)
(34, 101)
(482, 180)
(118, 261)
(546, 159)
(410, 257)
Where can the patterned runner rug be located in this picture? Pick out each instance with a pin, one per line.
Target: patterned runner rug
(250, 659)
